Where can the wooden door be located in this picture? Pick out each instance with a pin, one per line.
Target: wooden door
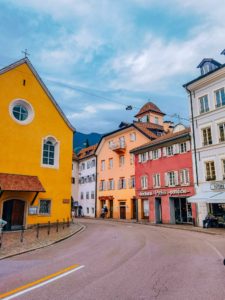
(122, 212)
(111, 209)
(17, 213)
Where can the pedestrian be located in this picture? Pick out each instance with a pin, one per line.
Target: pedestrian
(209, 221)
(73, 215)
(102, 213)
(105, 209)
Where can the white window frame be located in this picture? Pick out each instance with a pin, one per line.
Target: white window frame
(144, 182)
(184, 177)
(220, 103)
(204, 97)
(156, 180)
(56, 144)
(168, 152)
(223, 124)
(210, 177)
(207, 137)
(121, 160)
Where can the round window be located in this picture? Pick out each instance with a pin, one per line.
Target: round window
(21, 111)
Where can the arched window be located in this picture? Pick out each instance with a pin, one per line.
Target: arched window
(50, 152)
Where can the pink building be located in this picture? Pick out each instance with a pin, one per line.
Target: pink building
(164, 178)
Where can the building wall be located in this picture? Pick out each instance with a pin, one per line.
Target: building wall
(212, 118)
(75, 175)
(161, 166)
(87, 204)
(21, 145)
(126, 171)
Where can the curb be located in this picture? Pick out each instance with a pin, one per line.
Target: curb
(82, 228)
(162, 225)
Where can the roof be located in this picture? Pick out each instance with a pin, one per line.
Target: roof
(147, 108)
(20, 183)
(163, 139)
(30, 66)
(75, 157)
(203, 76)
(86, 152)
(211, 60)
(146, 127)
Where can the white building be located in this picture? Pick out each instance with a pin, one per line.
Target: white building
(207, 105)
(87, 181)
(74, 181)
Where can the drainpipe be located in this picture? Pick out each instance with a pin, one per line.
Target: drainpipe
(194, 141)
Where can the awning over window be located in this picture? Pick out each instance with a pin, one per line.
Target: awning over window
(208, 197)
(20, 183)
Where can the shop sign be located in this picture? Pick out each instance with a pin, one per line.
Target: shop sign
(164, 192)
(33, 210)
(218, 186)
(66, 201)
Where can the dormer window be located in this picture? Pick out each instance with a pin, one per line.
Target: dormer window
(207, 65)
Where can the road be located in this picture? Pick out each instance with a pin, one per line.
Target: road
(122, 261)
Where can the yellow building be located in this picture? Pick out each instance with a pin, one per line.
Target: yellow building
(35, 152)
(115, 164)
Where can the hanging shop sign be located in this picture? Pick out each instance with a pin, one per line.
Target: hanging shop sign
(218, 186)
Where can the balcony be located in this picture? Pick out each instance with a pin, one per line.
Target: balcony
(119, 148)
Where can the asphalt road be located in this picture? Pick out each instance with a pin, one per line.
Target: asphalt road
(123, 261)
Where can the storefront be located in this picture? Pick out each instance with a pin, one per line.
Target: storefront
(169, 206)
(211, 200)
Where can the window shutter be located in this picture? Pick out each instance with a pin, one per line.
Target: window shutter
(176, 149)
(124, 183)
(159, 180)
(147, 156)
(150, 154)
(139, 158)
(188, 176)
(164, 151)
(188, 145)
(119, 184)
(176, 178)
(159, 152)
(166, 179)
(154, 180)
(182, 177)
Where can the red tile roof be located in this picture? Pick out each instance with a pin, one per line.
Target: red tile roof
(20, 183)
(147, 108)
(146, 127)
(86, 152)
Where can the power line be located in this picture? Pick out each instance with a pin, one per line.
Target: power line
(87, 92)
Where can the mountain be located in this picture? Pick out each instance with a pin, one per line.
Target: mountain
(80, 139)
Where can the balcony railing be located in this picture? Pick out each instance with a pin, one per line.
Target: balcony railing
(118, 147)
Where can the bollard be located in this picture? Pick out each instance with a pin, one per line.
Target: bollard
(22, 234)
(57, 226)
(37, 231)
(63, 223)
(49, 227)
(68, 222)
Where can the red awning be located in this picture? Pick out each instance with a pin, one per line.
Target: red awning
(20, 183)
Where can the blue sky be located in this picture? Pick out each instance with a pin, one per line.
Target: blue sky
(97, 56)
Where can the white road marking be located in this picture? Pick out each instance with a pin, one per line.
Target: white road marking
(42, 284)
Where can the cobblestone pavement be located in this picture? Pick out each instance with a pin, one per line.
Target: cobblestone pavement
(13, 242)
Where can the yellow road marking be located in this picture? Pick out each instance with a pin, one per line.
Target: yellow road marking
(28, 285)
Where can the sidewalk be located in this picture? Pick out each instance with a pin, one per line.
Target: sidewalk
(12, 245)
(188, 227)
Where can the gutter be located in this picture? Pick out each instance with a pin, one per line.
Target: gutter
(193, 130)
